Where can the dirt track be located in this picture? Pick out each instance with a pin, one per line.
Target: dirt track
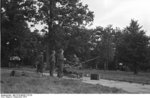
(129, 87)
(126, 86)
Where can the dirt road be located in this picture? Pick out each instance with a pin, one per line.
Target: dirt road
(129, 87)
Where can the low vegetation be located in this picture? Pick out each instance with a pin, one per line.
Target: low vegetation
(33, 83)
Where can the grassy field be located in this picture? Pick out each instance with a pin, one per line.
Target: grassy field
(143, 78)
(33, 83)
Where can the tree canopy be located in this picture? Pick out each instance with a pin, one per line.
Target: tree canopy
(65, 27)
(133, 47)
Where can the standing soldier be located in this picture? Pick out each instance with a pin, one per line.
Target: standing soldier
(77, 62)
(52, 63)
(60, 62)
(40, 65)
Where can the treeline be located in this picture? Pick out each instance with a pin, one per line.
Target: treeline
(127, 49)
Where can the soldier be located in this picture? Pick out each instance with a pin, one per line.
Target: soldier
(52, 62)
(40, 63)
(77, 61)
(60, 62)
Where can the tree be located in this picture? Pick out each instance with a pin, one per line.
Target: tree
(78, 43)
(104, 46)
(31, 47)
(148, 57)
(62, 14)
(14, 15)
(133, 46)
(117, 38)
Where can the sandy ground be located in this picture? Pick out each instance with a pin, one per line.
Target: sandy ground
(126, 86)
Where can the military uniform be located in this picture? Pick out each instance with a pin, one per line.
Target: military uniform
(60, 63)
(40, 63)
(52, 63)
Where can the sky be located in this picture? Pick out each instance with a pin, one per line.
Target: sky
(120, 12)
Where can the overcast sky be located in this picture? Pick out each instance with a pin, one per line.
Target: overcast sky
(120, 12)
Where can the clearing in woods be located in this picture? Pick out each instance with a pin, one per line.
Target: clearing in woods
(33, 83)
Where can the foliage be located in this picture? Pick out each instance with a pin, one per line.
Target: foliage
(65, 22)
(133, 47)
(14, 15)
(104, 46)
(61, 16)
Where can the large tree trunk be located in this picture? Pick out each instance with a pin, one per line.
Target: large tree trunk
(50, 34)
(47, 57)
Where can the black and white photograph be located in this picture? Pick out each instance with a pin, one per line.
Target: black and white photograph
(74, 47)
